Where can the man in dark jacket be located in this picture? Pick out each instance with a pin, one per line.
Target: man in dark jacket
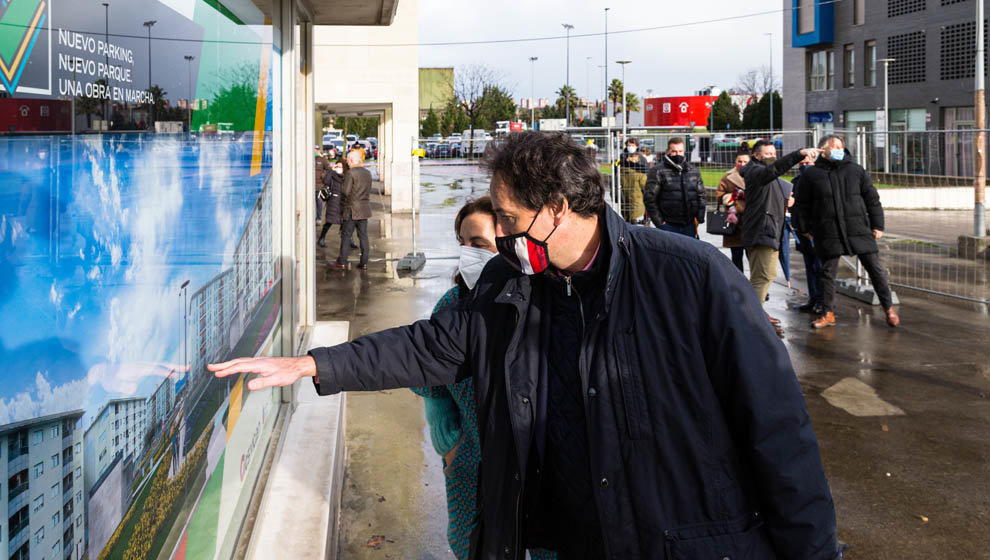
(606, 432)
(355, 209)
(674, 192)
(841, 208)
(766, 204)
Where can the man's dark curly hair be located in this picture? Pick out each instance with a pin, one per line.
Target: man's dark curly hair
(544, 168)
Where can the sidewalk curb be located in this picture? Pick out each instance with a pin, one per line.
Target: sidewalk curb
(300, 510)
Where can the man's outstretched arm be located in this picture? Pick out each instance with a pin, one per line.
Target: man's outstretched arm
(423, 354)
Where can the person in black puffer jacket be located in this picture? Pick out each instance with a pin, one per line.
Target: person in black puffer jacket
(674, 192)
(841, 207)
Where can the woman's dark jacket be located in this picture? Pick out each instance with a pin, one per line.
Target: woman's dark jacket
(674, 193)
(333, 184)
(700, 442)
(839, 205)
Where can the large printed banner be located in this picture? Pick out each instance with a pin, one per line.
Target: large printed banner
(137, 245)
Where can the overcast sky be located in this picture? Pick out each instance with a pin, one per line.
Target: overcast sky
(675, 61)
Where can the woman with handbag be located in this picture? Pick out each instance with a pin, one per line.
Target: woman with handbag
(731, 193)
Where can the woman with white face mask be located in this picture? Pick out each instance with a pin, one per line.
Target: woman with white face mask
(450, 409)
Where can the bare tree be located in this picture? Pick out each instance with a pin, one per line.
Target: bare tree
(757, 81)
(471, 83)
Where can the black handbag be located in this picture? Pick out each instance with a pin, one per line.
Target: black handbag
(716, 224)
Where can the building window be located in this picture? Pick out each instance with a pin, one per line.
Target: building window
(78, 497)
(39, 535)
(55, 520)
(39, 503)
(78, 472)
(39, 469)
(53, 432)
(820, 71)
(830, 68)
(37, 437)
(957, 55)
(908, 52)
(871, 64)
(806, 17)
(78, 448)
(78, 521)
(849, 66)
(900, 7)
(55, 490)
(54, 460)
(859, 12)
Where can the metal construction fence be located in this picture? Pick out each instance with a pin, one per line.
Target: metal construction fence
(925, 179)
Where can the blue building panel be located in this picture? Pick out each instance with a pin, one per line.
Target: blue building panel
(824, 32)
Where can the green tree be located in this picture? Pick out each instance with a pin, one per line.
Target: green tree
(756, 116)
(364, 127)
(725, 114)
(430, 125)
(632, 103)
(563, 94)
(498, 106)
(88, 106)
(615, 95)
(454, 119)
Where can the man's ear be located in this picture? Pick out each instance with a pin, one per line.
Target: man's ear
(558, 210)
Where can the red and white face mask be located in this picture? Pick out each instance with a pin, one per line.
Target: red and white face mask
(525, 253)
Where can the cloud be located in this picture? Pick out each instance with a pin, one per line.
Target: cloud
(123, 379)
(72, 314)
(55, 297)
(43, 400)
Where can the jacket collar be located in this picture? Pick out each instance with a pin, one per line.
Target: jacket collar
(672, 165)
(615, 232)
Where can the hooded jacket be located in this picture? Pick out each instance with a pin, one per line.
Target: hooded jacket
(840, 206)
(700, 443)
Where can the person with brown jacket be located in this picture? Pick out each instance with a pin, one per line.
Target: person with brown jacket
(355, 209)
(322, 167)
(731, 193)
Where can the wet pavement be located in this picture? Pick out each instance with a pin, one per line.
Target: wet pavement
(902, 415)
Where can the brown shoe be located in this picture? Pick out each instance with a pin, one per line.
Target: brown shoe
(826, 320)
(892, 318)
(363, 266)
(336, 265)
(773, 320)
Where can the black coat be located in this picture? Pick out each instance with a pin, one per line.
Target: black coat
(675, 195)
(700, 442)
(333, 184)
(840, 206)
(766, 204)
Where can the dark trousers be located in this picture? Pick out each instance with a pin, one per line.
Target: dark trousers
(874, 268)
(687, 229)
(323, 232)
(346, 230)
(737, 257)
(813, 269)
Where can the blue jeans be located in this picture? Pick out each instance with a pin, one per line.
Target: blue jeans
(687, 230)
(813, 268)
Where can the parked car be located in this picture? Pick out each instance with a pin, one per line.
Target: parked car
(455, 149)
(431, 149)
(443, 151)
(351, 139)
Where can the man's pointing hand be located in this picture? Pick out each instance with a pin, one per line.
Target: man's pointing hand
(272, 372)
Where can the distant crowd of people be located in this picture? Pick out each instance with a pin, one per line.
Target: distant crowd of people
(343, 198)
(830, 209)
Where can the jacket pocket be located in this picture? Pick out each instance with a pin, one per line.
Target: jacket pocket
(746, 539)
(631, 384)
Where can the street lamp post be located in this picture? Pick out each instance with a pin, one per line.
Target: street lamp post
(979, 208)
(185, 327)
(189, 59)
(532, 92)
(622, 97)
(886, 116)
(770, 37)
(151, 109)
(711, 111)
(106, 35)
(567, 78)
(606, 74)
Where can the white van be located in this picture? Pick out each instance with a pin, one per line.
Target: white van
(480, 139)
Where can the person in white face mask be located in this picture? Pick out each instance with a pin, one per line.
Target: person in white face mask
(450, 409)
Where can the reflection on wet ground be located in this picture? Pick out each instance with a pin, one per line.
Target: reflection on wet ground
(910, 482)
